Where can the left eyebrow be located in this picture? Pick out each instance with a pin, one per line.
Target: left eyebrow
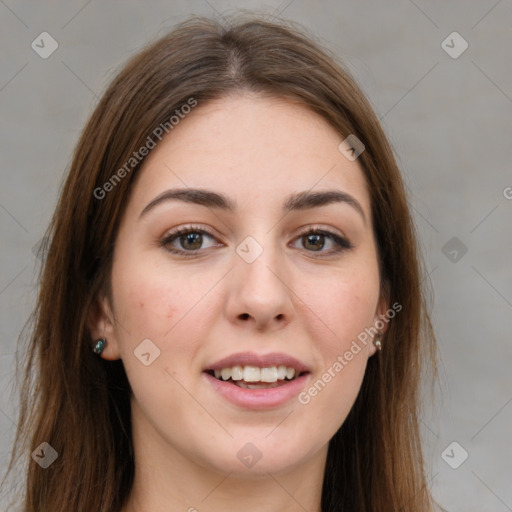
(297, 201)
(305, 200)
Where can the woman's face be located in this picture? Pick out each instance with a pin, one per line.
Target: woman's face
(275, 266)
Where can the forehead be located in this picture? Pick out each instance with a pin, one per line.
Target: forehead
(253, 149)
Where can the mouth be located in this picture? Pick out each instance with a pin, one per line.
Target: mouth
(253, 381)
(255, 377)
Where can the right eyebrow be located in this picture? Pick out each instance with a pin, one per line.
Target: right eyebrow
(192, 195)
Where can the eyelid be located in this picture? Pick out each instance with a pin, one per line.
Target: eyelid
(321, 228)
(186, 229)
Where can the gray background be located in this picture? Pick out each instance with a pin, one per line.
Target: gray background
(448, 119)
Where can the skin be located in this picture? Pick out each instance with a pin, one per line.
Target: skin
(202, 308)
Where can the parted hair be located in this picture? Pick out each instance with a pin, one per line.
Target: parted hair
(80, 403)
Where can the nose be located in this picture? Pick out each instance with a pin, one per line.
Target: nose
(259, 292)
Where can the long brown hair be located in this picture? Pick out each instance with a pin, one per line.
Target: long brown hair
(80, 404)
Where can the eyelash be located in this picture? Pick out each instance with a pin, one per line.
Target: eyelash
(342, 244)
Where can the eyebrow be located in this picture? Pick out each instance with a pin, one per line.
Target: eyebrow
(297, 201)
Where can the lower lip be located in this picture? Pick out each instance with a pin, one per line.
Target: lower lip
(258, 398)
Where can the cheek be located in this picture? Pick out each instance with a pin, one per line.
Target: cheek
(343, 307)
(172, 311)
(151, 302)
(333, 390)
(169, 308)
(147, 307)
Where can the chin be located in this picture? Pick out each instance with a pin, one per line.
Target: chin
(253, 458)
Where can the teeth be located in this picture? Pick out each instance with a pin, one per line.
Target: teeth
(252, 374)
(269, 374)
(237, 373)
(281, 372)
(290, 373)
(245, 374)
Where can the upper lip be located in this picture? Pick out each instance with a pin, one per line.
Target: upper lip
(260, 360)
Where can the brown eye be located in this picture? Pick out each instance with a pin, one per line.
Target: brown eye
(191, 241)
(314, 242)
(322, 242)
(188, 241)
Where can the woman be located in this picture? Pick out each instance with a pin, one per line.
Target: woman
(230, 312)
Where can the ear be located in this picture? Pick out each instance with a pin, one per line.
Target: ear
(101, 323)
(380, 319)
(381, 316)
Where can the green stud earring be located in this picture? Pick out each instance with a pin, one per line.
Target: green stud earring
(100, 345)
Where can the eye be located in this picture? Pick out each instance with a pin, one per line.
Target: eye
(323, 241)
(187, 240)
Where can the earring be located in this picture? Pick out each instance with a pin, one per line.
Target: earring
(100, 345)
(378, 344)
